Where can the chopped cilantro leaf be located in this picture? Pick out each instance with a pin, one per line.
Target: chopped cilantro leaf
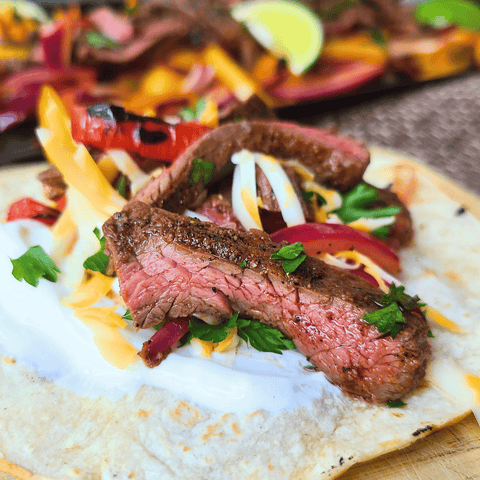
(377, 36)
(99, 261)
(430, 334)
(292, 255)
(381, 232)
(356, 201)
(127, 315)
(397, 295)
(202, 170)
(243, 264)
(262, 337)
(396, 403)
(33, 265)
(193, 113)
(388, 319)
(97, 40)
(259, 335)
(121, 186)
(311, 197)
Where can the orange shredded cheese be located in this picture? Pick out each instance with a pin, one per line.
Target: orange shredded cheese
(441, 320)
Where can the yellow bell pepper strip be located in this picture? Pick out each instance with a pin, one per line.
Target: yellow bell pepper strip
(14, 52)
(183, 60)
(209, 115)
(359, 47)
(265, 68)
(426, 59)
(233, 76)
(53, 116)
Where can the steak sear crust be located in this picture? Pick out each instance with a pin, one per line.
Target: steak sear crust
(174, 266)
(338, 162)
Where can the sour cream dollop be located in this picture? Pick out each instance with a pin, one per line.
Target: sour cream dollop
(42, 334)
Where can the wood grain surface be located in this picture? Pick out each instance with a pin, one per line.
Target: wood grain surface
(452, 453)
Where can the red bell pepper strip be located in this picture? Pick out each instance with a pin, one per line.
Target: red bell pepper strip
(28, 208)
(331, 238)
(155, 350)
(107, 126)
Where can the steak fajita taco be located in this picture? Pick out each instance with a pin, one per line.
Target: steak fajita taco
(294, 354)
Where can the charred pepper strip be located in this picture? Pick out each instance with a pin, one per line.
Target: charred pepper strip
(28, 208)
(108, 126)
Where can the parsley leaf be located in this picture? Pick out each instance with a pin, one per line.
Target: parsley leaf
(397, 295)
(99, 261)
(97, 40)
(292, 255)
(430, 334)
(243, 264)
(377, 36)
(262, 337)
(127, 316)
(388, 319)
(121, 186)
(259, 335)
(396, 403)
(381, 232)
(356, 201)
(202, 170)
(33, 265)
(193, 113)
(313, 197)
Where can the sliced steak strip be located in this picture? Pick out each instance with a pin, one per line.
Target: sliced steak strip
(173, 266)
(338, 162)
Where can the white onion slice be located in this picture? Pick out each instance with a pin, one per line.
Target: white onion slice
(244, 190)
(199, 216)
(288, 201)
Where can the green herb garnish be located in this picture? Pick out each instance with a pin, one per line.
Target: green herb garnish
(430, 334)
(97, 40)
(202, 170)
(243, 264)
(312, 197)
(356, 201)
(259, 335)
(121, 186)
(396, 404)
(381, 232)
(292, 255)
(127, 316)
(377, 36)
(194, 113)
(397, 295)
(99, 261)
(389, 319)
(33, 265)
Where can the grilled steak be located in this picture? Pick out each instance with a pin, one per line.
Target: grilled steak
(173, 266)
(337, 161)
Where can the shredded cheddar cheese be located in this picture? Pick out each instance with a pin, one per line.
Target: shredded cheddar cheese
(441, 320)
(473, 382)
(89, 292)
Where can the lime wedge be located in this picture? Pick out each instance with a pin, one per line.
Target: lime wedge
(288, 29)
(441, 13)
(27, 9)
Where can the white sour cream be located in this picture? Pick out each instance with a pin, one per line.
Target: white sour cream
(41, 334)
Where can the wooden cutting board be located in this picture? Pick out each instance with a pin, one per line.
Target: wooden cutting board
(452, 453)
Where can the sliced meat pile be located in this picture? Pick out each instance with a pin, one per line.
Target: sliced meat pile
(173, 266)
(337, 161)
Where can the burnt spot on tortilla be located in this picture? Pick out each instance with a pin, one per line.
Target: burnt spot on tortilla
(418, 432)
(460, 211)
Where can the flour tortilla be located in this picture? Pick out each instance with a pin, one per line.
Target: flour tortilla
(56, 434)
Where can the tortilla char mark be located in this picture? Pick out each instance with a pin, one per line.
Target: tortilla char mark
(338, 162)
(174, 266)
